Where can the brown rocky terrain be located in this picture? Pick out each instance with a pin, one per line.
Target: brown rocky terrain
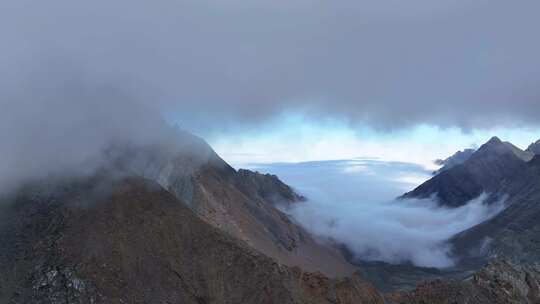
(128, 240)
(500, 282)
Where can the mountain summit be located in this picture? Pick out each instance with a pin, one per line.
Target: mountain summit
(484, 171)
(534, 147)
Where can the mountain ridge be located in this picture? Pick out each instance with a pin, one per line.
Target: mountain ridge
(483, 172)
(241, 203)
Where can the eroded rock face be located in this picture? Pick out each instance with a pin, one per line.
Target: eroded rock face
(134, 242)
(499, 282)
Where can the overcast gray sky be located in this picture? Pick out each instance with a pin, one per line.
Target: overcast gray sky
(210, 64)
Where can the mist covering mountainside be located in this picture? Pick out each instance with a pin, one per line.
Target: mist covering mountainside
(109, 195)
(172, 212)
(61, 184)
(69, 230)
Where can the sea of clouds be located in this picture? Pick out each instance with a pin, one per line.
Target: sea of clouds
(353, 202)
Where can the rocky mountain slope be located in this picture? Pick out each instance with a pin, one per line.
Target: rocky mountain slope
(513, 233)
(241, 203)
(506, 173)
(110, 239)
(484, 172)
(266, 187)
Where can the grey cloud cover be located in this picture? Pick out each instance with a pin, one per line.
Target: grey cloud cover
(214, 63)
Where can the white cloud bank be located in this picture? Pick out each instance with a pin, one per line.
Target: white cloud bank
(356, 208)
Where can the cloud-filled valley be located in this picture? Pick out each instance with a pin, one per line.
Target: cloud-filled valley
(353, 202)
(246, 151)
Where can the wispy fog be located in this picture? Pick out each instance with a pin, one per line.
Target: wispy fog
(353, 202)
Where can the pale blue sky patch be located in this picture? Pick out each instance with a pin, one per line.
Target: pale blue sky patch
(295, 138)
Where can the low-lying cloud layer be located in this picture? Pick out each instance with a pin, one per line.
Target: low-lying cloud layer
(352, 203)
(63, 126)
(211, 64)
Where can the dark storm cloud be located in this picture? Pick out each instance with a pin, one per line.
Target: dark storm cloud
(213, 63)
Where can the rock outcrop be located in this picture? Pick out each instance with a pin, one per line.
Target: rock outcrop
(500, 282)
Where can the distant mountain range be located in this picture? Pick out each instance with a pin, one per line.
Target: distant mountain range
(174, 223)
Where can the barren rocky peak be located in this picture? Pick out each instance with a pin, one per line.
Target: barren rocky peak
(495, 169)
(483, 172)
(496, 146)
